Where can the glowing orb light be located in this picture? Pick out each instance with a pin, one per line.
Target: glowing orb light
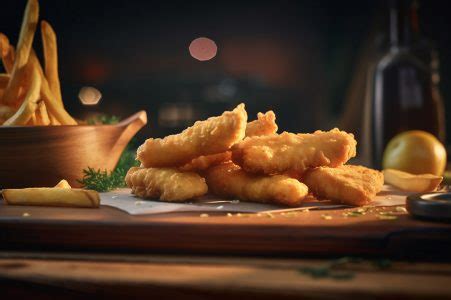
(89, 95)
(203, 49)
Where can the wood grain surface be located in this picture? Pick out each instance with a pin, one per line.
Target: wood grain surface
(308, 233)
(164, 277)
(40, 156)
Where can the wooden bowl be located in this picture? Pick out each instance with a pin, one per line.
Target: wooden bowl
(40, 156)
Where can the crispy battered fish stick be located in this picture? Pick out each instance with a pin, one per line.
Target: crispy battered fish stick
(204, 162)
(230, 181)
(294, 153)
(166, 184)
(351, 185)
(264, 125)
(214, 135)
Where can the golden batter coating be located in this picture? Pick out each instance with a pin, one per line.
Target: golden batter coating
(264, 125)
(352, 185)
(294, 153)
(204, 162)
(214, 135)
(165, 184)
(230, 181)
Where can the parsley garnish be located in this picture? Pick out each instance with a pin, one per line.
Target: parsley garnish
(104, 181)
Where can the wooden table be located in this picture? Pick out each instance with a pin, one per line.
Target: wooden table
(178, 277)
(218, 256)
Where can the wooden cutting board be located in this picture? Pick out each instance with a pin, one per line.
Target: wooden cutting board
(318, 233)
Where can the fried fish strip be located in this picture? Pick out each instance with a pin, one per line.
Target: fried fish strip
(264, 125)
(351, 185)
(294, 153)
(214, 135)
(165, 183)
(230, 181)
(204, 162)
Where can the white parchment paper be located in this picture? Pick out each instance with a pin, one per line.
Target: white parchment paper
(125, 201)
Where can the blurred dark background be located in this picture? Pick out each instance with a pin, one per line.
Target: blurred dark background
(306, 60)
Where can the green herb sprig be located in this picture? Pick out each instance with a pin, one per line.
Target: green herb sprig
(103, 119)
(101, 181)
(329, 270)
(104, 181)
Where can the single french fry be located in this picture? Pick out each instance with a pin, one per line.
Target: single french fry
(6, 112)
(4, 79)
(56, 196)
(63, 184)
(42, 118)
(4, 44)
(33, 120)
(420, 183)
(51, 59)
(22, 54)
(8, 60)
(53, 120)
(7, 53)
(29, 105)
(51, 103)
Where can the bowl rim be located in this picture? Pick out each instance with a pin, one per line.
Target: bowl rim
(57, 126)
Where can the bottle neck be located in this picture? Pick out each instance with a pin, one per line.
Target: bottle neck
(414, 18)
(400, 27)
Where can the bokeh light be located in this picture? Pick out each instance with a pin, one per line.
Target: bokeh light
(89, 95)
(203, 49)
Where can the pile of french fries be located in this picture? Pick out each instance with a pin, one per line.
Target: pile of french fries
(30, 94)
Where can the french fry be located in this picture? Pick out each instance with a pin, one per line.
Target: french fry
(63, 184)
(33, 120)
(52, 104)
(4, 44)
(6, 112)
(29, 105)
(51, 59)
(53, 120)
(7, 53)
(22, 54)
(42, 118)
(56, 196)
(4, 79)
(420, 183)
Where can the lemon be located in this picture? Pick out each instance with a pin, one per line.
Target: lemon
(416, 152)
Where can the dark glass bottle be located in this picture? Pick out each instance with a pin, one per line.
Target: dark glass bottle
(403, 95)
